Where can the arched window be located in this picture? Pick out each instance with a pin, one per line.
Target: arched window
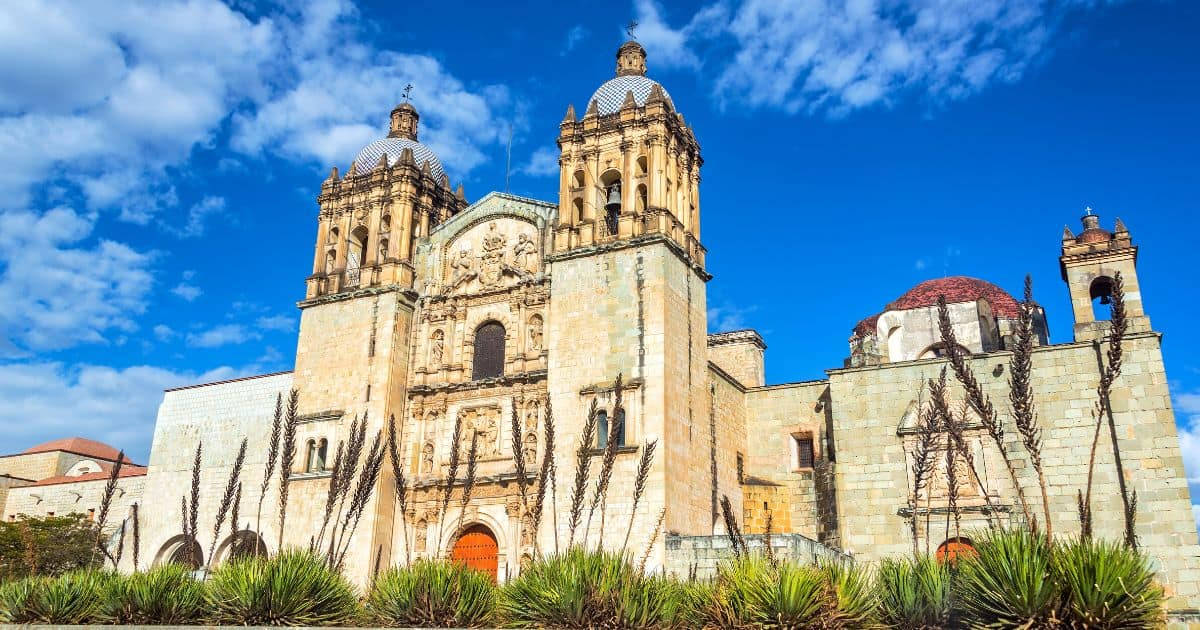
(938, 351)
(578, 180)
(385, 224)
(1101, 291)
(619, 417)
(577, 213)
(641, 166)
(322, 453)
(953, 549)
(355, 255)
(601, 429)
(641, 199)
(310, 458)
(488, 361)
(330, 260)
(610, 198)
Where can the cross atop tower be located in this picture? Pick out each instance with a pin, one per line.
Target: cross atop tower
(631, 28)
(407, 92)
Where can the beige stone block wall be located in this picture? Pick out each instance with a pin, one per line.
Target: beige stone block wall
(743, 360)
(37, 466)
(729, 420)
(83, 497)
(869, 405)
(774, 415)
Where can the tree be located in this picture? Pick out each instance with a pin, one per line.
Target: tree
(46, 546)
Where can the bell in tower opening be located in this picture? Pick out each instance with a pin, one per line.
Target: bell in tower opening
(612, 207)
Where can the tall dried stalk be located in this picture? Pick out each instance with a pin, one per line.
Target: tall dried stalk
(546, 477)
(981, 403)
(662, 515)
(768, 549)
(193, 515)
(110, 488)
(600, 493)
(340, 480)
(583, 462)
(233, 516)
(519, 457)
(451, 473)
(332, 494)
(272, 457)
(468, 483)
(183, 512)
(287, 457)
(231, 488)
(956, 436)
(120, 545)
(362, 495)
(1118, 327)
(401, 485)
(923, 464)
(1020, 394)
(951, 488)
(731, 527)
(137, 536)
(639, 486)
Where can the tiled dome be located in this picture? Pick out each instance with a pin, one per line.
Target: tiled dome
(956, 289)
(79, 446)
(368, 158)
(611, 94)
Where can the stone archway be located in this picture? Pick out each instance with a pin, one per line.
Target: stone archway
(478, 549)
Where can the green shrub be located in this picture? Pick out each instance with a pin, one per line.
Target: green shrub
(16, 598)
(50, 545)
(1107, 585)
(164, 595)
(856, 601)
(1008, 582)
(914, 594)
(70, 599)
(432, 594)
(755, 593)
(588, 589)
(290, 589)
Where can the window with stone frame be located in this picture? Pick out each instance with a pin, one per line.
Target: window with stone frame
(488, 361)
(803, 452)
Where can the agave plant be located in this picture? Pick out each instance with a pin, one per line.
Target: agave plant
(1008, 582)
(70, 599)
(432, 594)
(1107, 585)
(16, 598)
(588, 589)
(914, 594)
(294, 588)
(164, 595)
(856, 602)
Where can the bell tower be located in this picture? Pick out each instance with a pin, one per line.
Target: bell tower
(628, 296)
(1090, 262)
(630, 166)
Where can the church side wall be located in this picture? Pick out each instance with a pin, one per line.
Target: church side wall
(729, 421)
(220, 415)
(774, 415)
(62, 499)
(869, 405)
(37, 466)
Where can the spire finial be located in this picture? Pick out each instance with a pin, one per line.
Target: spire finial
(407, 92)
(1087, 210)
(631, 29)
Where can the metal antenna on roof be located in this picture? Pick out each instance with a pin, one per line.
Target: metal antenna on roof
(631, 28)
(508, 159)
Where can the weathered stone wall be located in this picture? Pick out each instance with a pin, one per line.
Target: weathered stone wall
(870, 406)
(729, 422)
(37, 466)
(220, 415)
(774, 415)
(80, 497)
(703, 555)
(739, 354)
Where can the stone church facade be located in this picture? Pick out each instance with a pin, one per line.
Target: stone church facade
(434, 310)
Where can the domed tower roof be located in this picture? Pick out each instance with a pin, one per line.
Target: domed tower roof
(956, 289)
(402, 134)
(631, 77)
(79, 446)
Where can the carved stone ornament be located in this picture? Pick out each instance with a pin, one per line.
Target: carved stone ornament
(427, 459)
(483, 422)
(535, 332)
(419, 536)
(437, 343)
(525, 253)
(491, 258)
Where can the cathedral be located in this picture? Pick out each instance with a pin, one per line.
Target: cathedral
(440, 312)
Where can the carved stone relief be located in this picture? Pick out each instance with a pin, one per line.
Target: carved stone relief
(483, 422)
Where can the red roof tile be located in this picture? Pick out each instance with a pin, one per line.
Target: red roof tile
(126, 471)
(79, 446)
(956, 289)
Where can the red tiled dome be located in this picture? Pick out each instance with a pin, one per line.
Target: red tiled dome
(80, 446)
(956, 289)
(1093, 235)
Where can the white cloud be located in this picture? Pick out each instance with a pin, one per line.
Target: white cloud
(222, 335)
(188, 292)
(197, 215)
(48, 400)
(574, 36)
(726, 317)
(281, 323)
(834, 56)
(162, 332)
(542, 163)
(57, 289)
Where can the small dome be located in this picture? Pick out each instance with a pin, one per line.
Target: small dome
(956, 289)
(79, 446)
(611, 94)
(1094, 235)
(368, 158)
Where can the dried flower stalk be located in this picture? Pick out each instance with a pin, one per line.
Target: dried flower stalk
(401, 485)
(231, 488)
(272, 457)
(1020, 395)
(287, 457)
(639, 486)
(583, 462)
(600, 492)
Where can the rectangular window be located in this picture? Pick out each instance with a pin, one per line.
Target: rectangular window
(741, 469)
(92, 514)
(803, 454)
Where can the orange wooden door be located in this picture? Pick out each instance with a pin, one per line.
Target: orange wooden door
(951, 550)
(477, 549)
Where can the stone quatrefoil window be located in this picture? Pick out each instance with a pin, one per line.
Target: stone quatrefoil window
(488, 361)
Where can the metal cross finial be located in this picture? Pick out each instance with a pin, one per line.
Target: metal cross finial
(1087, 210)
(631, 28)
(407, 92)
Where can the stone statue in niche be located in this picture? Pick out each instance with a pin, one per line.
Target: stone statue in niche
(484, 424)
(525, 253)
(527, 530)
(531, 416)
(427, 459)
(535, 333)
(437, 343)
(383, 250)
(491, 259)
(330, 260)
(419, 536)
(529, 450)
(460, 265)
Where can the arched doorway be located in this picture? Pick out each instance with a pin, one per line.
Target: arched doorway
(477, 548)
(953, 549)
(181, 550)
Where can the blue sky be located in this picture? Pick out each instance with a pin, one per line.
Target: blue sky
(159, 162)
